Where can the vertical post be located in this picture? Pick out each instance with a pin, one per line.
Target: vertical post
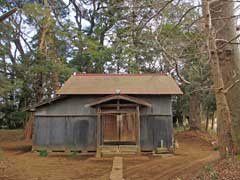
(138, 131)
(98, 153)
(118, 104)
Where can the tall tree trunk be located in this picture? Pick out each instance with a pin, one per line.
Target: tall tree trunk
(213, 121)
(223, 113)
(180, 120)
(222, 13)
(194, 112)
(42, 50)
(41, 57)
(207, 120)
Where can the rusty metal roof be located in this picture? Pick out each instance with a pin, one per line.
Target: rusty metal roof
(120, 84)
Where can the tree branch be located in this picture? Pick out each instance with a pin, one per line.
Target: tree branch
(176, 66)
(7, 14)
(231, 86)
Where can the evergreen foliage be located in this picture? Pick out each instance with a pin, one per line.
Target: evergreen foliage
(44, 42)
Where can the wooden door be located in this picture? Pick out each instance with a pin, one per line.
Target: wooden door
(110, 128)
(119, 128)
(128, 128)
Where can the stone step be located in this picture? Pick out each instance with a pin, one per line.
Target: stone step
(118, 150)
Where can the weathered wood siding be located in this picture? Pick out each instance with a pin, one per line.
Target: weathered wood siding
(66, 132)
(161, 105)
(153, 130)
(68, 123)
(156, 123)
(69, 105)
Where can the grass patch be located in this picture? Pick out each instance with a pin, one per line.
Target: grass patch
(43, 153)
(74, 154)
(179, 129)
(1, 155)
(212, 132)
(238, 157)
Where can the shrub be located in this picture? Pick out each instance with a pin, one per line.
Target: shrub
(43, 153)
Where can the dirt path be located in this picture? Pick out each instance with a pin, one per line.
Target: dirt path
(117, 169)
(20, 164)
(189, 158)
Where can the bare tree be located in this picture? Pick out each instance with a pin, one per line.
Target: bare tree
(223, 112)
(224, 24)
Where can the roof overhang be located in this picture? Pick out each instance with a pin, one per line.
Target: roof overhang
(130, 84)
(43, 103)
(119, 97)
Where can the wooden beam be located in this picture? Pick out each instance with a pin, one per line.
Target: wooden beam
(120, 105)
(138, 130)
(155, 115)
(114, 111)
(120, 97)
(98, 153)
(63, 115)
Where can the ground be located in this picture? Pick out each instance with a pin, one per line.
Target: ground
(18, 163)
(194, 151)
(227, 169)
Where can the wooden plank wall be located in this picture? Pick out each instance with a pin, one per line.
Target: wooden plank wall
(153, 130)
(80, 132)
(70, 105)
(73, 133)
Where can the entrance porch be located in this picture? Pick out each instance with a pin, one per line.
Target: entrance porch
(118, 124)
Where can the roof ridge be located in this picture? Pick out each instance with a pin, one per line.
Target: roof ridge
(112, 74)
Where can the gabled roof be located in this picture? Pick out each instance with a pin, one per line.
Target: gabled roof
(120, 84)
(43, 103)
(119, 97)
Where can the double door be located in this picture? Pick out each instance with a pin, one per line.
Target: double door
(119, 128)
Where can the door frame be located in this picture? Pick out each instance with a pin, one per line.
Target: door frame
(120, 119)
(100, 111)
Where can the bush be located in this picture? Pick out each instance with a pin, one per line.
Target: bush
(43, 153)
(11, 118)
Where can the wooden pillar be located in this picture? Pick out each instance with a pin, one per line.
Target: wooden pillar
(118, 104)
(98, 153)
(138, 131)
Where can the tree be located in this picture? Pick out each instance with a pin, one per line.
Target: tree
(19, 59)
(223, 112)
(223, 22)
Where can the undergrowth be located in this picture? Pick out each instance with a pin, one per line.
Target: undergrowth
(213, 174)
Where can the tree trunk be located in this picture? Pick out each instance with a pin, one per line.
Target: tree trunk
(194, 112)
(207, 121)
(180, 119)
(223, 113)
(229, 60)
(174, 121)
(41, 56)
(28, 131)
(213, 121)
